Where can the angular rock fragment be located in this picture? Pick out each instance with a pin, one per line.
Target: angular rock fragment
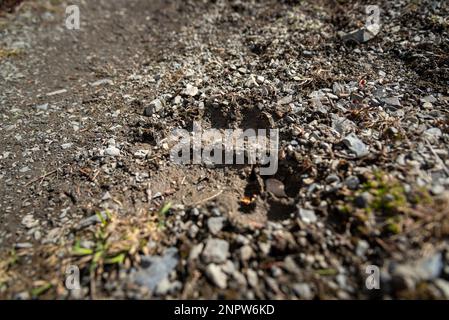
(356, 145)
(216, 251)
(361, 35)
(155, 106)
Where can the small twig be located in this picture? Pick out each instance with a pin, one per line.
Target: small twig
(41, 177)
(207, 199)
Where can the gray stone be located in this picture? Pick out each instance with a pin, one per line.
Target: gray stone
(216, 251)
(285, 100)
(156, 269)
(275, 187)
(91, 220)
(112, 151)
(341, 124)
(429, 99)
(363, 200)
(228, 267)
(106, 196)
(22, 296)
(42, 107)
(252, 277)
(246, 252)
(154, 107)
(163, 287)
(24, 169)
(356, 145)
(55, 93)
(332, 178)
(427, 105)
(379, 92)
(443, 286)
(307, 216)
(217, 276)
(23, 245)
(362, 248)
(102, 82)
(391, 101)
(215, 224)
(141, 154)
(291, 266)
(338, 89)
(29, 222)
(303, 291)
(191, 90)
(437, 189)
(166, 287)
(352, 182)
(195, 252)
(66, 146)
(433, 132)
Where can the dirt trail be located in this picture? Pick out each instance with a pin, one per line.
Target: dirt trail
(52, 58)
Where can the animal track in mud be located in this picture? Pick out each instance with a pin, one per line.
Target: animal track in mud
(250, 195)
(219, 116)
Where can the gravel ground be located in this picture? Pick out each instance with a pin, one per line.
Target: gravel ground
(87, 183)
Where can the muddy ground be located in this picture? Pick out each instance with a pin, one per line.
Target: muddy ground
(87, 183)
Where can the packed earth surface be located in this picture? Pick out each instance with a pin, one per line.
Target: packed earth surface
(357, 209)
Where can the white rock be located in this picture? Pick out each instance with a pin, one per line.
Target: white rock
(356, 145)
(102, 82)
(307, 216)
(178, 100)
(246, 252)
(285, 100)
(433, 132)
(216, 251)
(303, 291)
(111, 142)
(252, 277)
(217, 276)
(66, 146)
(373, 28)
(24, 169)
(215, 224)
(260, 79)
(29, 221)
(112, 151)
(196, 251)
(191, 90)
(155, 106)
(42, 107)
(141, 154)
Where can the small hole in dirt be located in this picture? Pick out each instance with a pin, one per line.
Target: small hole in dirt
(146, 133)
(288, 173)
(218, 116)
(254, 119)
(280, 210)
